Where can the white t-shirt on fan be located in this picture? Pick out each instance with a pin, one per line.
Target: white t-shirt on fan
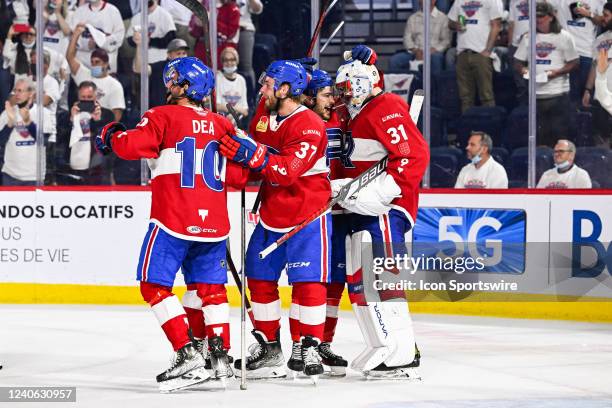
(109, 90)
(573, 178)
(582, 29)
(490, 175)
(478, 15)
(160, 23)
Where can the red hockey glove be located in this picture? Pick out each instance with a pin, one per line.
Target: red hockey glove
(242, 149)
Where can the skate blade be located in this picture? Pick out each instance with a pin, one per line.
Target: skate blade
(189, 379)
(334, 372)
(405, 374)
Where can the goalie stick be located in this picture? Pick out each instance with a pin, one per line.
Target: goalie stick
(353, 186)
(198, 9)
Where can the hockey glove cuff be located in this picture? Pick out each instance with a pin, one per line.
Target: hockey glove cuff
(242, 149)
(104, 139)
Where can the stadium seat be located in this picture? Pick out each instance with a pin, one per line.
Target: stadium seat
(446, 97)
(265, 51)
(517, 131)
(581, 128)
(597, 161)
(504, 89)
(519, 161)
(444, 167)
(491, 120)
(500, 155)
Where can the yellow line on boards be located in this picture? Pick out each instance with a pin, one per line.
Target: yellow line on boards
(483, 304)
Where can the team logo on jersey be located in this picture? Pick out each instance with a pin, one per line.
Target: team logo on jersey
(193, 229)
(471, 7)
(340, 146)
(543, 49)
(262, 125)
(52, 27)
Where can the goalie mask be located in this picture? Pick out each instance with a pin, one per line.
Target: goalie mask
(355, 82)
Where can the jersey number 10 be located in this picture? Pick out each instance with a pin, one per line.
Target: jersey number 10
(211, 163)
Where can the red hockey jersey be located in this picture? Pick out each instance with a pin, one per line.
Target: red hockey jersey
(296, 180)
(187, 171)
(384, 127)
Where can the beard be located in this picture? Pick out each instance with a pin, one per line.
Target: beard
(272, 104)
(323, 111)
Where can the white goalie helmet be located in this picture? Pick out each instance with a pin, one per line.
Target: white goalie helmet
(355, 82)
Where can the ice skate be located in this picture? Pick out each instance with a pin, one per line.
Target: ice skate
(266, 359)
(202, 346)
(296, 363)
(220, 364)
(312, 361)
(187, 370)
(405, 372)
(337, 365)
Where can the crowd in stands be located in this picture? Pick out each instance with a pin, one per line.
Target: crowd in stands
(480, 56)
(91, 76)
(479, 65)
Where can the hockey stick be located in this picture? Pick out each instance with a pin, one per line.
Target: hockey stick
(245, 306)
(198, 9)
(331, 37)
(319, 26)
(353, 186)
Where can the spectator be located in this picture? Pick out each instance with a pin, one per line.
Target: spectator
(109, 90)
(518, 25)
(231, 86)
(181, 16)
(483, 171)
(477, 25)
(580, 19)
(51, 87)
(157, 91)
(246, 41)
(161, 31)
(228, 24)
(18, 132)
(85, 120)
(414, 41)
(565, 174)
(556, 57)
(20, 42)
(105, 30)
(601, 117)
(603, 93)
(57, 32)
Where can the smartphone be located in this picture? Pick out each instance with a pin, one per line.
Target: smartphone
(87, 106)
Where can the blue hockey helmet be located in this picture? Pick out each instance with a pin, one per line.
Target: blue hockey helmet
(191, 71)
(318, 79)
(290, 72)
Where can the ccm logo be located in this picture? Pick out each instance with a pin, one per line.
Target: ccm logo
(298, 264)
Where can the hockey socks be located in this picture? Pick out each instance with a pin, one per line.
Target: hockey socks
(266, 307)
(169, 312)
(193, 308)
(334, 294)
(308, 310)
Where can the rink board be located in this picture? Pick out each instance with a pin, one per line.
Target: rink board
(63, 245)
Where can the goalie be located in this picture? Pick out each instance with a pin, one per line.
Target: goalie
(382, 212)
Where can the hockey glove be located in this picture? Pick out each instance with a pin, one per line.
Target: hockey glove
(308, 63)
(364, 54)
(242, 149)
(103, 140)
(375, 198)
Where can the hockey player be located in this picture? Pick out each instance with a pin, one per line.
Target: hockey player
(320, 98)
(383, 211)
(287, 150)
(189, 221)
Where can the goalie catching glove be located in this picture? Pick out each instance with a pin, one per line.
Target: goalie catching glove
(374, 199)
(103, 140)
(242, 149)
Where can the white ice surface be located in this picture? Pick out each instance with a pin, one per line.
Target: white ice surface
(112, 354)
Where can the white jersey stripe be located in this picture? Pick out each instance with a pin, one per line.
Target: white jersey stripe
(368, 150)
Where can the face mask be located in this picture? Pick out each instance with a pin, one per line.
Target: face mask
(30, 45)
(477, 158)
(97, 71)
(22, 104)
(230, 69)
(563, 166)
